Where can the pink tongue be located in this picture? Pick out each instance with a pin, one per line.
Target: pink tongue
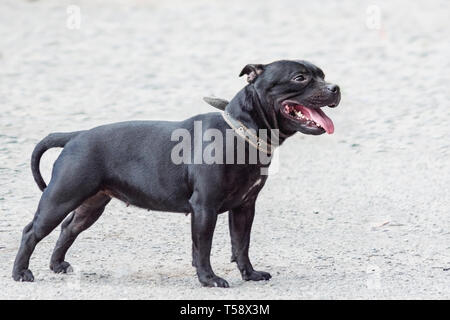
(319, 117)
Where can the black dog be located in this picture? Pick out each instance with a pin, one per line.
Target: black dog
(132, 161)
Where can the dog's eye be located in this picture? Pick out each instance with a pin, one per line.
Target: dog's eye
(299, 78)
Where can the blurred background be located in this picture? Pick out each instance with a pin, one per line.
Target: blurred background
(362, 213)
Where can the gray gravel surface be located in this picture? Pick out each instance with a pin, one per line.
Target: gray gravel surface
(362, 213)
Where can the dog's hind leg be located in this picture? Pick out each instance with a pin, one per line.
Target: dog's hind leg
(82, 218)
(70, 186)
(49, 214)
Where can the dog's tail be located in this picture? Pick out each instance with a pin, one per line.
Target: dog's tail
(53, 140)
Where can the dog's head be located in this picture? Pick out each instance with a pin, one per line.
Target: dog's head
(294, 92)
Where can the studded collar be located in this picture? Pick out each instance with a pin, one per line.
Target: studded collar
(248, 134)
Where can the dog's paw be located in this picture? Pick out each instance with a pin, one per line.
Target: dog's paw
(61, 267)
(24, 275)
(256, 275)
(214, 282)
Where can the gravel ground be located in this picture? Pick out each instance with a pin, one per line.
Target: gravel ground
(362, 213)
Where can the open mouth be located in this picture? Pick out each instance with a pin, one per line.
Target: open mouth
(309, 117)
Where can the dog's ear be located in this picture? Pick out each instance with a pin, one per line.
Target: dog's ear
(252, 71)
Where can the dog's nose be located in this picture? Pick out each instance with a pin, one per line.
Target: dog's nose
(333, 88)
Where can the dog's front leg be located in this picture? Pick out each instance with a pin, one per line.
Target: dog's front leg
(240, 221)
(203, 224)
